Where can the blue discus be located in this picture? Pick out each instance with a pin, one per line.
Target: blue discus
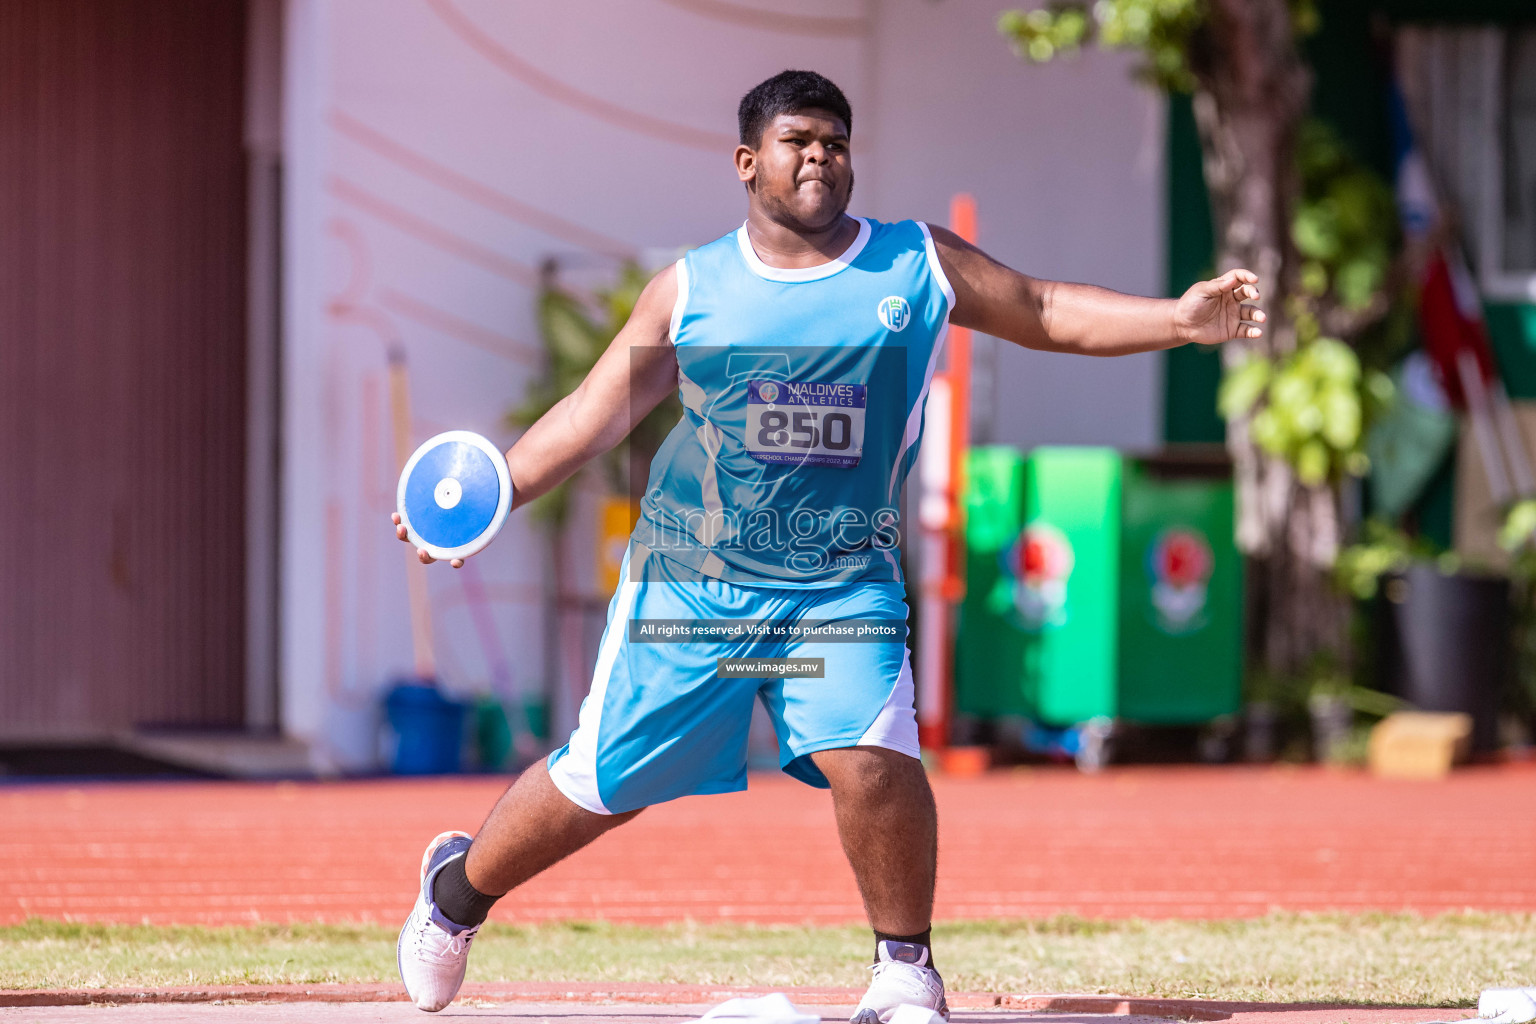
(454, 495)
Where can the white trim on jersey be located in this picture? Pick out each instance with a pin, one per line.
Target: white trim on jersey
(816, 273)
(682, 300)
(936, 268)
(915, 417)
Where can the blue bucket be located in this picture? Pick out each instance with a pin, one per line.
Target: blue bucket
(429, 730)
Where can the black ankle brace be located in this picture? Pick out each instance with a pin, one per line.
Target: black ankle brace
(923, 938)
(456, 899)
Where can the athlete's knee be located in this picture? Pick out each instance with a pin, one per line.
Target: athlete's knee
(871, 772)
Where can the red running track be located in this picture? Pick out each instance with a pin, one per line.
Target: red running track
(1142, 842)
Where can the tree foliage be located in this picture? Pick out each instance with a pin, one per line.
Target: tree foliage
(1345, 226)
(1290, 203)
(1161, 29)
(1309, 408)
(1312, 405)
(1168, 33)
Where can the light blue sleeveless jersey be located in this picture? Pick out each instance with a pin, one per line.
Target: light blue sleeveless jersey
(803, 397)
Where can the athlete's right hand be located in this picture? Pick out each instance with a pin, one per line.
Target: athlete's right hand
(421, 553)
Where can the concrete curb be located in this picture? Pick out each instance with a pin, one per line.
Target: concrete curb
(610, 992)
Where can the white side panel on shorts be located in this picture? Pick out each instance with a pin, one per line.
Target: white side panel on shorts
(895, 727)
(575, 774)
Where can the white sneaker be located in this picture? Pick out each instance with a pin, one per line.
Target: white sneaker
(902, 975)
(433, 951)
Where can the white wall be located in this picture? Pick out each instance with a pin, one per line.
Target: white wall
(438, 150)
(1065, 161)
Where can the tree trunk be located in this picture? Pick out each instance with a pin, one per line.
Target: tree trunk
(1252, 95)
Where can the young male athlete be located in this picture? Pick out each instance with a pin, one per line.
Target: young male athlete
(802, 345)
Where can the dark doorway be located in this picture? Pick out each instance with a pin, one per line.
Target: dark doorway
(122, 365)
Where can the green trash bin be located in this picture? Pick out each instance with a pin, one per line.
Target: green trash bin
(989, 648)
(1097, 587)
(1181, 596)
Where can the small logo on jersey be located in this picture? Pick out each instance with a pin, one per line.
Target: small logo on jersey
(768, 391)
(894, 312)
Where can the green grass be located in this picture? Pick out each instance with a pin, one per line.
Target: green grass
(1379, 959)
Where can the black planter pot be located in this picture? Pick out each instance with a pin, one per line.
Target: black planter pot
(1261, 726)
(1332, 722)
(1445, 644)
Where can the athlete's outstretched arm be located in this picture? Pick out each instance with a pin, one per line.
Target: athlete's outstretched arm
(631, 378)
(1057, 317)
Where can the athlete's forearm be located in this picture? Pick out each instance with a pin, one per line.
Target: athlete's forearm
(566, 438)
(1094, 321)
(631, 378)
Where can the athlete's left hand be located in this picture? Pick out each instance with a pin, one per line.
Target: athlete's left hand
(421, 553)
(1212, 312)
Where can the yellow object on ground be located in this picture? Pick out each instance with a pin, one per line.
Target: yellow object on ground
(1419, 744)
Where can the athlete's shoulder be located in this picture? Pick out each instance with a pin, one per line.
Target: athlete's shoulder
(900, 234)
(887, 226)
(727, 242)
(911, 244)
(710, 260)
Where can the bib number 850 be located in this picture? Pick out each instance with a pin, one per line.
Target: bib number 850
(805, 422)
(834, 432)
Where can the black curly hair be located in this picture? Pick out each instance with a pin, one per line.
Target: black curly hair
(785, 93)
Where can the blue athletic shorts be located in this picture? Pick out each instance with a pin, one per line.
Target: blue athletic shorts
(660, 721)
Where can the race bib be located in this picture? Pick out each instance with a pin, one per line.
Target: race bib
(805, 422)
